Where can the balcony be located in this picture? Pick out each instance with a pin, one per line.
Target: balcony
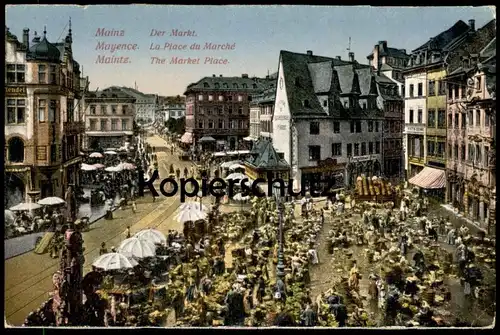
(414, 128)
(416, 159)
(74, 127)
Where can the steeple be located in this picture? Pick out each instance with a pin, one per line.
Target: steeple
(44, 31)
(69, 37)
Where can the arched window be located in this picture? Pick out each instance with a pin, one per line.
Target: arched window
(224, 85)
(217, 85)
(206, 85)
(244, 86)
(16, 150)
(306, 103)
(114, 96)
(235, 85)
(254, 85)
(325, 103)
(297, 82)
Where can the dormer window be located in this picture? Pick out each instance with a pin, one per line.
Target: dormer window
(297, 82)
(217, 85)
(224, 85)
(114, 96)
(206, 85)
(235, 85)
(325, 103)
(244, 86)
(254, 86)
(306, 103)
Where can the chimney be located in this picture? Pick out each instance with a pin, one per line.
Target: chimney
(376, 57)
(244, 75)
(472, 25)
(267, 76)
(309, 52)
(338, 57)
(26, 36)
(403, 50)
(220, 75)
(213, 75)
(351, 56)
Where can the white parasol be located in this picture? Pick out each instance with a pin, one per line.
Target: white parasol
(9, 217)
(193, 205)
(152, 235)
(191, 214)
(114, 261)
(135, 247)
(99, 166)
(236, 175)
(226, 165)
(240, 197)
(236, 166)
(25, 206)
(110, 152)
(87, 167)
(96, 155)
(118, 168)
(51, 201)
(127, 166)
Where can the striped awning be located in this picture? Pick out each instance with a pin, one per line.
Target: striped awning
(429, 178)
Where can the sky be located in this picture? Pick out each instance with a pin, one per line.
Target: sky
(256, 35)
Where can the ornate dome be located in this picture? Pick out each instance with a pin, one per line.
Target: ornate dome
(45, 51)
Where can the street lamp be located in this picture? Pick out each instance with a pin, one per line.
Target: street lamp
(280, 268)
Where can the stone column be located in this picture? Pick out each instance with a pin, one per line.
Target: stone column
(492, 217)
(481, 209)
(466, 200)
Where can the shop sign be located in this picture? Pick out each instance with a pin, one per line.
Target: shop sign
(15, 91)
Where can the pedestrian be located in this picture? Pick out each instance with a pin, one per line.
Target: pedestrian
(339, 310)
(103, 249)
(308, 316)
(450, 238)
(127, 232)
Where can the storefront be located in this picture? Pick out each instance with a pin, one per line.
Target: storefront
(328, 174)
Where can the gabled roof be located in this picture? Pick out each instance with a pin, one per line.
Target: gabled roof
(321, 76)
(390, 52)
(446, 37)
(366, 81)
(490, 50)
(264, 156)
(238, 84)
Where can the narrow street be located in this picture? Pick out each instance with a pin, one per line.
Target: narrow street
(28, 277)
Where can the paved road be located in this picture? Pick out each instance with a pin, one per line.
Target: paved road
(28, 277)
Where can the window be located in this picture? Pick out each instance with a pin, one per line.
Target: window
(240, 98)
(442, 119)
(221, 98)
(370, 148)
(93, 125)
(124, 124)
(470, 118)
(221, 124)
(411, 116)
(53, 153)
(42, 106)
(370, 126)
(210, 98)
(306, 103)
(230, 110)
(124, 109)
(230, 98)
(209, 111)
(411, 90)
(42, 74)
(478, 84)
(376, 126)
(314, 128)
(432, 87)
(352, 126)
(219, 111)
(420, 89)
(200, 124)
(450, 91)
(464, 120)
(358, 126)
(486, 155)
(456, 116)
(356, 149)
(455, 152)
(52, 111)
(337, 149)
(462, 152)
(16, 150)
(431, 147)
(15, 73)
(325, 103)
(240, 110)
(431, 118)
(349, 149)
(210, 124)
(103, 125)
(249, 98)
(206, 85)
(420, 118)
(102, 109)
(441, 87)
(377, 147)
(486, 120)
(200, 97)
(363, 149)
(52, 75)
(114, 124)
(364, 105)
(336, 127)
(314, 152)
(470, 158)
(244, 86)
(478, 154)
(478, 118)
(113, 109)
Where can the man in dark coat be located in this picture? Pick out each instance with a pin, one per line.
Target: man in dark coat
(309, 317)
(339, 310)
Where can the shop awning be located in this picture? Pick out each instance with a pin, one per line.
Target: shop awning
(187, 138)
(243, 152)
(429, 178)
(219, 154)
(221, 142)
(207, 139)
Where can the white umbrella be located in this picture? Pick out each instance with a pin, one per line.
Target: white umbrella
(99, 166)
(193, 205)
(191, 214)
(111, 169)
(118, 168)
(25, 206)
(110, 152)
(127, 166)
(9, 217)
(51, 201)
(86, 167)
(135, 247)
(236, 175)
(228, 164)
(114, 261)
(236, 166)
(152, 235)
(96, 155)
(240, 197)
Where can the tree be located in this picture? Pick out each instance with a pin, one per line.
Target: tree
(176, 126)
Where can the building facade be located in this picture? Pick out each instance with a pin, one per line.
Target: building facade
(471, 179)
(218, 108)
(43, 126)
(326, 121)
(174, 111)
(109, 119)
(261, 112)
(425, 108)
(146, 105)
